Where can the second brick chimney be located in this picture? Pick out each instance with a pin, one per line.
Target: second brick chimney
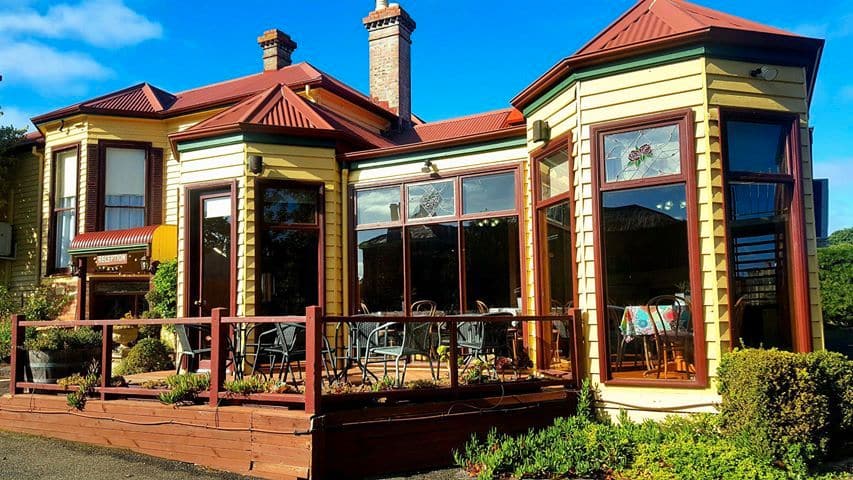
(277, 47)
(390, 30)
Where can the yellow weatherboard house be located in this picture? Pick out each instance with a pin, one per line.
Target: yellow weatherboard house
(657, 184)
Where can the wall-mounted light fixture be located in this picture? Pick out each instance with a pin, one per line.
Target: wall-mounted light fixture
(765, 72)
(429, 167)
(144, 263)
(256, 164)
(541, 131)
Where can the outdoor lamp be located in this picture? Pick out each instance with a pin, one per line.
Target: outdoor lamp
(765, 72)
(428, 167)
(256, 164)
(144, 264)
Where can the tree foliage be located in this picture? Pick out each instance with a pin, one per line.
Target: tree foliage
(836, 283)
(163, 296)
(838, 237)
(9, 138)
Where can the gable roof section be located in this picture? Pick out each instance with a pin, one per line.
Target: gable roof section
(656, 25)
(144, 100)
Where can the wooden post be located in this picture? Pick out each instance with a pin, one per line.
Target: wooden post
(16, 363)
(217, 353)
(454, 357)
(313, 359)
(106, 358)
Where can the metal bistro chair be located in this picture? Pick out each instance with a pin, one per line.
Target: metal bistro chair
(187, 350)
(416, 340)
(481, 339)
(671, 341)
(289, 344)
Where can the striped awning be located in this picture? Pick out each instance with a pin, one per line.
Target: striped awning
(160, 239)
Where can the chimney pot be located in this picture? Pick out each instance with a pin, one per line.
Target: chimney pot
(381, 4)
(278, 48)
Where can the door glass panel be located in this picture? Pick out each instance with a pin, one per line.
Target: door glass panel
(215, 253)
(554, 174)
(378, 205)
(757, 147)
(488, 193)
(491, 263)
(435, 264)
(645, 153)
(290, 205)
(380, 270)
(435, 199)
(558, 255)
(289, 271)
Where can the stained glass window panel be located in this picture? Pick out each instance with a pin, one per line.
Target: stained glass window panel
(435, 199)
(646, 153)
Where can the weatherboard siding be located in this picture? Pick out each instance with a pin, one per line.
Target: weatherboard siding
(731, 85)
(22, 213)
(595, 101)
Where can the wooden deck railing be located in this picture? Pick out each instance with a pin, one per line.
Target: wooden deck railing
(316, 328)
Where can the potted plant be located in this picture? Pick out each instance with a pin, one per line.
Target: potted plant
(55, 353)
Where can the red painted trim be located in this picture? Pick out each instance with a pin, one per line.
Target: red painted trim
(51, 269)
(103, 145)
(685, 119)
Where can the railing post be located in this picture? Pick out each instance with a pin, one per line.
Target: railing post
(106, 358)
(453, 357)
(16, 363)
(217, 351)
(313, 359)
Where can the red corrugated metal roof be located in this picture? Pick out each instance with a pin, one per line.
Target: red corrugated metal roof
(460, 127)
(115, 238)
(651, 20)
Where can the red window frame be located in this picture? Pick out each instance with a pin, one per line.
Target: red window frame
(103, 145)
(684, 118)
(52, 269)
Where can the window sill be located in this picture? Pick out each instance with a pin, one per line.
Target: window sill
(682, 384)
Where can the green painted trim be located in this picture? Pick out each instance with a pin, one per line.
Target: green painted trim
(120, 248)
(437, 154)
(613, 69)
(193, 145)
(271, 139)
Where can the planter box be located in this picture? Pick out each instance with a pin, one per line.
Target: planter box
(50, 366)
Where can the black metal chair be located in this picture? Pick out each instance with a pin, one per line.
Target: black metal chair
(187, 349)
(289, 345)
(480, 339)
(416, 340)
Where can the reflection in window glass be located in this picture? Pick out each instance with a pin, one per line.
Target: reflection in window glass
(559, 255)
(645, 153)
(434, 254)
(64, 206)
(290, 205)
(646, 255)
(288, 271)
(380, 269)
(124, 192)
(435, 199)
(379, 205)
(491, 263)
(750, 201)
(554, 174)
(488, 193)
(756, 147)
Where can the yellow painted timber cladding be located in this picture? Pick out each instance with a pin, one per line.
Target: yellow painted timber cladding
(21, 274)
(702, 85)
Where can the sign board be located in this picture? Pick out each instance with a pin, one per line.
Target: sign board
(113, 259)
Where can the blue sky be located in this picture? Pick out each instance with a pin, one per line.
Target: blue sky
(468, 56)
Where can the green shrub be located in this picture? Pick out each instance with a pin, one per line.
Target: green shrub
(163, 296)
(836, 283)
(45, 303)
(842, 236)
(184, 388)
(834, 374)
(149, 331)
(148, 355)
(57, 338)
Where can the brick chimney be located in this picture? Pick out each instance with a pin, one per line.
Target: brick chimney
(390, 30)
(277, 47)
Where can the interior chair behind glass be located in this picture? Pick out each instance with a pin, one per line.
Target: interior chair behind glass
(673, 341)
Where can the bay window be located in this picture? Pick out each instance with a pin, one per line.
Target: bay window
(125, 176)
(649, 306)
(453, 241)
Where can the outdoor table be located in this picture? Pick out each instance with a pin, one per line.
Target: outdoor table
(641, 321)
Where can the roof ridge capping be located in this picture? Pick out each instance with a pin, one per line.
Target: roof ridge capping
(654, 25)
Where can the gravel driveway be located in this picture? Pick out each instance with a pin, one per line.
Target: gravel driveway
(29, 457)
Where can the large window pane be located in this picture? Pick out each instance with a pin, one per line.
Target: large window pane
(757, 147)
(644, 153)
(289, 271)
(751, 201)
(434, 199)
(124, 197)
(646, 255)
(380, 270)
(65, 206)
(488, 193)
(491, 263)
(554, 174)
(434, 254)
(379, 205)
(290, 205)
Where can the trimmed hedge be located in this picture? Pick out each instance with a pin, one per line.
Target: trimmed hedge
(782, 401)
(148, 355)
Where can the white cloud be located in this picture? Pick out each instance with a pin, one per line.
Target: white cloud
(48, 69)
(103, 23)
(15, 117)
